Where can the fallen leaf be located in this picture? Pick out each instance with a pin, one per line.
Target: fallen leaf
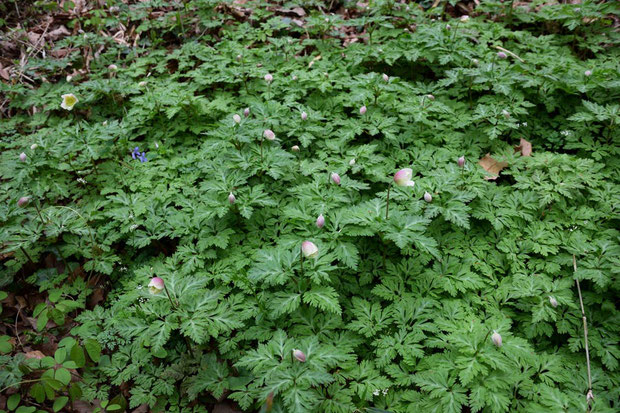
(492, 166)
(36, 354)
(57, 33)
(525, 147)
(96, 297)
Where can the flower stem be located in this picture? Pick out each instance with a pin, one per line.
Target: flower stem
(38, 212)
(175, 306)
(26, 254)
(261, 150)
(585, 333)
(387, 203)
(301, 263)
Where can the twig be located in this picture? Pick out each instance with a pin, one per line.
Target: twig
(589, 395)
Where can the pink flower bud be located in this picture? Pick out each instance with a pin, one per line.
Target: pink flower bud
(231, 198)
(588, 73)
(34, 146)
(22, 157)
(268, 78)
(461, 161)
(497, 339)
(448, 27)
(156, 285)
(269, 135)
(553, 302)
(464, 18)
(309, 250)
(403, 177)
(430, 97)
(294, 77)
(335, 178)
(386, 78)
(299, 355)
(320, 221)
(362, 110)
(236, 118)
(428, 197)
(295, 148)
(475, 61)
(246, 112)
(23, 201)
(112, 68)
(502, 55)
(506, 114)
(304, 116)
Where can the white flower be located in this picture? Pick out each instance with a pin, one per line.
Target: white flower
(352, 162)
(68, 101)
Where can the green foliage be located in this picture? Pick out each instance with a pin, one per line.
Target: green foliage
(396, 312)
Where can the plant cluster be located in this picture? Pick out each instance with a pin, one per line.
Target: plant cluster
(380, 210)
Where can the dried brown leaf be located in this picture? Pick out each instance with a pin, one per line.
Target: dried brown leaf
(36, 354)
(492, 166)
(524, 147)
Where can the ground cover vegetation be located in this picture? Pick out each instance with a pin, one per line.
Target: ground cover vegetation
(306, 206)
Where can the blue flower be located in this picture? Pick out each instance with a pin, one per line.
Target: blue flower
(136, 154)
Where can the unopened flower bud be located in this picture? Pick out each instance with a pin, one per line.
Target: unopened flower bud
(428, 197)
(236, 118)
(299, 355)
(352, 162)
(320, 221)
(461, 162)
(22, 157)
(142, 84)
(335, 178)
(69, 78)
(362, 110)
(448, 27)
(386, 78)
(156, 285)
(23, 201)
(231, 198)
(502, 55)
(112, 68)
(497, 339)
(430, 97)
(294, 77)
(553, 301)
(404, 177)
(268, 78)
(304, 116)
(506, 114)
(269, 135)
(588, 73)
(464, 18)
(34, 146)
(246, 112)
(239, 57)
(309, 250)
(295, 148)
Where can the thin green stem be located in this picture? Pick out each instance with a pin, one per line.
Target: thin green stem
(585, 333)
(38, 212)
(387, 203)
